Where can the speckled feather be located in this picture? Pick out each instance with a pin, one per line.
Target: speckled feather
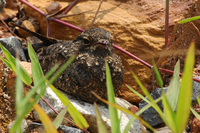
(87, 72)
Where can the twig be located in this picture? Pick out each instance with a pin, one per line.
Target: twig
(169, 49)
(133, 56)
(49, 33)
(166, 23)
(63, 15)
(58, 114)
(71, 6)
(197, 30)
(172, 36)
(96, 14)
(10, 30)
(33, 7)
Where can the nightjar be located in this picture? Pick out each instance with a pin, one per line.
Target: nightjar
(87, 73)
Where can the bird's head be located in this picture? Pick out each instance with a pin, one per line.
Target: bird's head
(96, 40)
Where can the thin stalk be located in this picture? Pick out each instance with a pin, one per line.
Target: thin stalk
(67, 24)
(133, 56)
(33, 7)
(172, 36)
(166, 23)
(71, 6)
(96, 14)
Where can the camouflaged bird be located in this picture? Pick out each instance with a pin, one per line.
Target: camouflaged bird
(87, 73)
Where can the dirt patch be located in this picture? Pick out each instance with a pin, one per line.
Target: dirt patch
(7, 103)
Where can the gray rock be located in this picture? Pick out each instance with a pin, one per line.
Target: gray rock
(37, 127)
(23, 124)
(88, 111)
(67, 129)
(196, 90)
(151, 115)
(2, 5)
(11, 44)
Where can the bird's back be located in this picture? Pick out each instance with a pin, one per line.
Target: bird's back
(86, 73)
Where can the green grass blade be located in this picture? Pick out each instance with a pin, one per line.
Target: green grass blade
(42, 80)
(6, 62)
(77, 117)
(184, 100)
(62, 68)
(60, 117)
(146, 100)
(169, 112)
(198, 99)
(100, 124)
(125, 111)
(111, 98)
(24, 112)
(24, 75)
(36, 70)
(147, 106)
(138, 94)
(25, 101)
(19, 90)
(195, 113)
(154, 105)
(18, 94)
(46, 121)
(126, 130)
(37, 86)
(189, 19)
(174, 87)
(30, 94)
(158, 77)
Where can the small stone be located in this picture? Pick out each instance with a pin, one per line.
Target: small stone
(151, 115)
(134, 109)
(11, 44)
(23, 124)
(28, 25)
(67, 129)
(53, 7)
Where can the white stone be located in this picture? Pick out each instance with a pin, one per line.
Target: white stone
(88, 111)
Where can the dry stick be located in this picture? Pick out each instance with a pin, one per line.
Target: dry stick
(166, 23)
(64, 117)
(56, 20)
(71, 6)
(166, 51)
(172, 36)
(63, 16)
(197, 30)
(96, 14)
(49, 33)
(10, 29)
(115, 46)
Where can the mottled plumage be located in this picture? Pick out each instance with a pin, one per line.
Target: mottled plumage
(87, 72)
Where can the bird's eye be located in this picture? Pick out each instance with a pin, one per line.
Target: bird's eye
(86, 41)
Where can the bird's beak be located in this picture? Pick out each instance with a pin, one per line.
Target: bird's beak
(104, 43)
